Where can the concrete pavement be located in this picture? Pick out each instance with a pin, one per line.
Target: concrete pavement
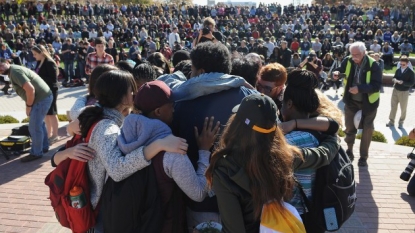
(382, 205)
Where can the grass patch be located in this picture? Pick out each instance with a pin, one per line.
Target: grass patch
(405, 141)
(341, 133)
(7, 119)
(376, 137)
(61, 117)
(390, 70)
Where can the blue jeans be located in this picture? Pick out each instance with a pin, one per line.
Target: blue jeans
(37, 126)
(31, 64)
(304, 54)
(69, 71)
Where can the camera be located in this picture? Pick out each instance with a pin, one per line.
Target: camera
(338, 49)
(406, 174)
(205, 31)
(310, 58)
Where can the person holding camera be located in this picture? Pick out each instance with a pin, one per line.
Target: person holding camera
(312, 63)
(208, 32)
(363, 79)
(405, 47)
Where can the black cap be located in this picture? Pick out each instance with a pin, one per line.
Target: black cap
(258, 112)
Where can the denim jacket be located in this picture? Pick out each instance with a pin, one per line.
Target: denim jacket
(205, 84)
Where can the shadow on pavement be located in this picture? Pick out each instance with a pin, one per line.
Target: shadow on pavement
(395, 134)
(410, 200)
(13, 168)
(365, 201)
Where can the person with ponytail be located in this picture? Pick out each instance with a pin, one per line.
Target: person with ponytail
(114, 92)
(47, 69)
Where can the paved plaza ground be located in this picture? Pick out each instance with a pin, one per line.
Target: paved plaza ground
(382, 206)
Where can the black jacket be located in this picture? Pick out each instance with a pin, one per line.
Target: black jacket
(49, 73)
(285, 57)
(190, 113)
(408, 78)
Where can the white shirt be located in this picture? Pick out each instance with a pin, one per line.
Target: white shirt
(270, 47)
(173, 37)
(44, 27)
(93, 34)
(110, 27)
(375, 48)
(107, 35)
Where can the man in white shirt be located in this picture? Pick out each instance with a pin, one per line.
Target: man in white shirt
(107, 34)
(270, 46)
(173, 37)
(93, 34)
(375, 47)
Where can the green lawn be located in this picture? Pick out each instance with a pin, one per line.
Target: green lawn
(390, 70)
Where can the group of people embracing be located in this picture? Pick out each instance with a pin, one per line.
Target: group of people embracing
(228, 146)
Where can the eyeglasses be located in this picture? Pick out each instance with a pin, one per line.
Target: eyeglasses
(264, 89)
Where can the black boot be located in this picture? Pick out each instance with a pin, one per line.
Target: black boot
(6, 88)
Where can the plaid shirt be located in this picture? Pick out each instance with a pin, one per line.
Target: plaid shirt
(93, 61)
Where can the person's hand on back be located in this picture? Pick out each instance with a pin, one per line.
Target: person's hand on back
(208, 135)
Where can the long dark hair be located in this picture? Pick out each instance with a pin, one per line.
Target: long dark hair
(110, 89)
(267, 159)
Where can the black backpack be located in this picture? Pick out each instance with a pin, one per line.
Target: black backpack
(132, 205)
(333, 195)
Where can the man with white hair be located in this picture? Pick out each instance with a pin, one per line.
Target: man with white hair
(362, 82)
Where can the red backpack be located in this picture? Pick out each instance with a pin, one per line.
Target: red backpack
(67, 174)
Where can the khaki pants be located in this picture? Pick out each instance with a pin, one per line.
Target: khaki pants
(400, 97)
(368, 127)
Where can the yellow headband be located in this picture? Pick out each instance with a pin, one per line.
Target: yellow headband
(262, 130)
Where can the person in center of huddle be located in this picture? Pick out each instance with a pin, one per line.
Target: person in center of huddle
(174, 173)
(301, 100)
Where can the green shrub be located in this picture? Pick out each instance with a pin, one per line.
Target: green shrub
(376, 137)
(341, 133)
(405, 141)
(63, 117)
(7, 119)
(26, 120)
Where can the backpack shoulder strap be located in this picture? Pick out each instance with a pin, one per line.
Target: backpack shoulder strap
(88, 136)
(306, 202)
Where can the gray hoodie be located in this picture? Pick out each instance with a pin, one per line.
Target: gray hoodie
(139, 130)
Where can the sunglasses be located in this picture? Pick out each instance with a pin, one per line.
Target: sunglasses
(264, 89)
